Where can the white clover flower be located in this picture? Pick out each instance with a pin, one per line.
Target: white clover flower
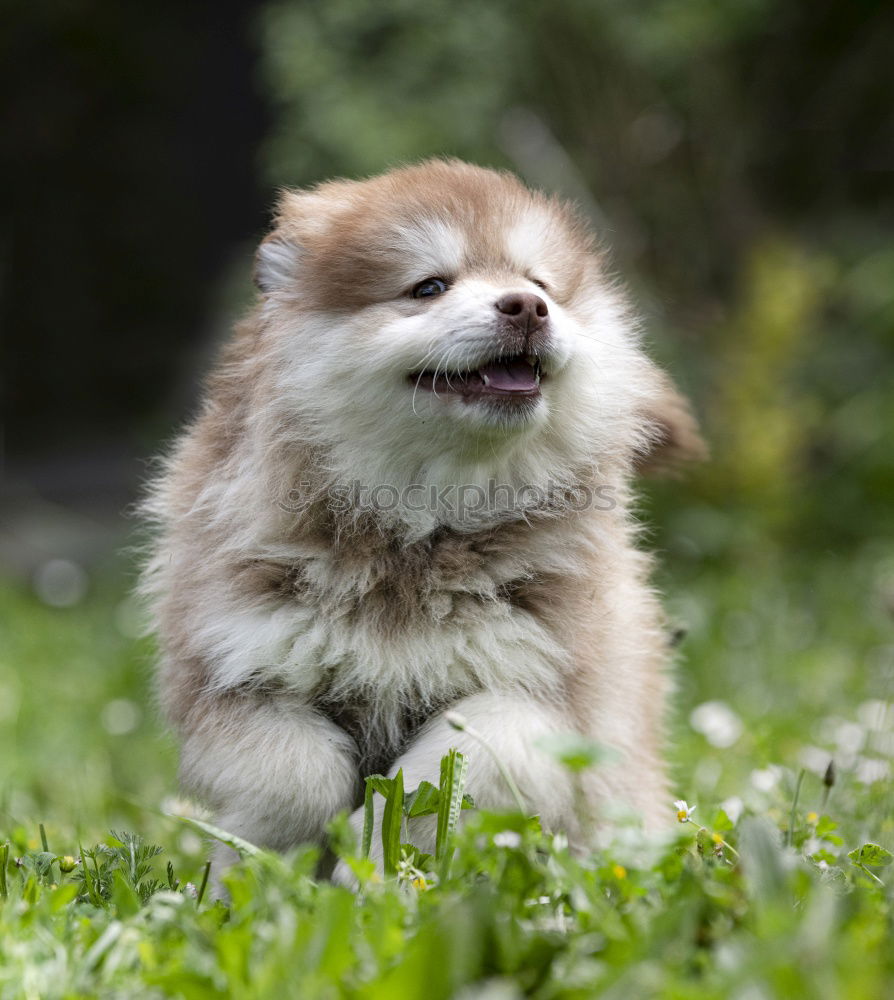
(883, 743)
(850, 737)
(811, 845)
(876, 715)
(869, 770)
(717, 722)
(733, 807)
(455, 720)
(684, 811)
(172, 805)
(814, 759)
(508, 838)
(560, 842)
(765, 779)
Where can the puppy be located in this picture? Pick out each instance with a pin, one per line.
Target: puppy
(408, 491)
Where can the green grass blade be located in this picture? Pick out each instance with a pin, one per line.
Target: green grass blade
(203, 886)
(453, 777)
(91, 882)
(245, 848)
(392, 819)
(793, 814)
(368, 820)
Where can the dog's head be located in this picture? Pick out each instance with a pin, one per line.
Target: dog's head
(442, 317)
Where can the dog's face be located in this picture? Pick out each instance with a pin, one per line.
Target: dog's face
(443, 313)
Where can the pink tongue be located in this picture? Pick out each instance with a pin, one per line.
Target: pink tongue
(510, 375)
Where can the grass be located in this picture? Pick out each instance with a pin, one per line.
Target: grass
(776, 885)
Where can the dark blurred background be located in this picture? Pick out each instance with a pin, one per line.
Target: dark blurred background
(737, 154)
(130, 139)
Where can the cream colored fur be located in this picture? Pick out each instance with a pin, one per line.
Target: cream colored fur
(302, 645)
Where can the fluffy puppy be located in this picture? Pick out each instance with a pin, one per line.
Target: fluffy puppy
(408, 491)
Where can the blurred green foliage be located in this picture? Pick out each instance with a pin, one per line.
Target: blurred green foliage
(804, 670)
(79, 734)
(737, 155)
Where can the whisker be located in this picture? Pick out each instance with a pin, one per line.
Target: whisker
(430, 352)
(447, 359)
(434, 384)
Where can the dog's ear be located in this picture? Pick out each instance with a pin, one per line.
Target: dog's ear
(301, 219)
(672, 434)
(276, 264)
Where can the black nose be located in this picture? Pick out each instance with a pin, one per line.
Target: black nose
(524, 309)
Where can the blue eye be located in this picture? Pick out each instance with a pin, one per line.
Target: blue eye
(431, 286)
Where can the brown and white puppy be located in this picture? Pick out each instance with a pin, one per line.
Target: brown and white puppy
(326, 579)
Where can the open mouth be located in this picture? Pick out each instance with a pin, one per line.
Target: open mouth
(514, 377)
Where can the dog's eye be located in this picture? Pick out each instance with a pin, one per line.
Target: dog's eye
(538, 283)
(431, 286)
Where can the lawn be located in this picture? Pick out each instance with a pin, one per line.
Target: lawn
(736, 159)
(760, 891)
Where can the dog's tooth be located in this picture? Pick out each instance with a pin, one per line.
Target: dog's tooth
(485, 379)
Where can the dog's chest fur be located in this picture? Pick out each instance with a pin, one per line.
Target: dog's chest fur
(380, 634)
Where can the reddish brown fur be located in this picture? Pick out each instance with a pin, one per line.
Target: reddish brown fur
(578, 575)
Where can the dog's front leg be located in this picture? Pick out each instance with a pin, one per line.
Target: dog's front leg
(512, 723)
(274, 770)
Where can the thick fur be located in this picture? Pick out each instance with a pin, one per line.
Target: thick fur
(306, 643)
